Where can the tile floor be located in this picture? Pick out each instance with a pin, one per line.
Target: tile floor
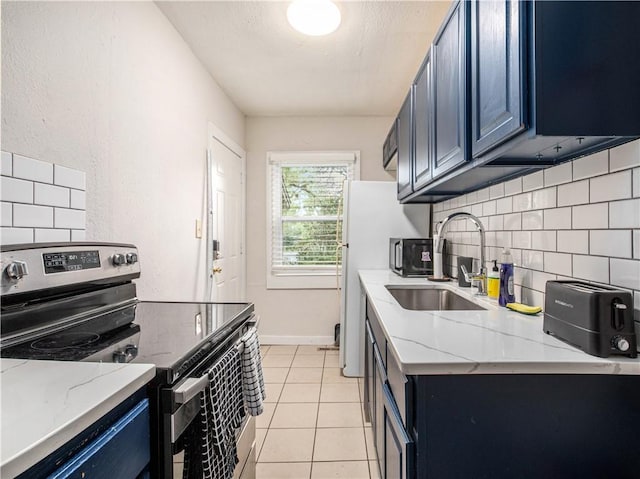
(313, 425)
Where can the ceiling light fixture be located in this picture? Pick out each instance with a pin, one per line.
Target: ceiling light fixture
(314, 17)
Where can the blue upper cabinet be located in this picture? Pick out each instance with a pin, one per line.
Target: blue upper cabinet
(514, 86)
(404, 129)
(497, 79)
(449, 57)
(423, 158)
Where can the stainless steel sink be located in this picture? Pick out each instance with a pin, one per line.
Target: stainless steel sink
(431, 299)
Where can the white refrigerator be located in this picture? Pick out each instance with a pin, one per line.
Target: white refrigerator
(372, 215)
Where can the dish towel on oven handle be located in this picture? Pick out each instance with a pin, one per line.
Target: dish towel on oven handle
(210, 440)
(252, 380)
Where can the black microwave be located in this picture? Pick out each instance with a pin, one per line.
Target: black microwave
(411, 256)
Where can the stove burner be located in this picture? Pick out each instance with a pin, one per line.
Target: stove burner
(64, 340)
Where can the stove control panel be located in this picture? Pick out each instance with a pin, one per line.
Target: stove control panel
(70, 261)
(42, 266)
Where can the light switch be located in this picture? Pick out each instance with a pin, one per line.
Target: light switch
(198, 229)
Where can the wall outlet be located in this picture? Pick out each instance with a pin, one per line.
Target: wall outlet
(198, 229)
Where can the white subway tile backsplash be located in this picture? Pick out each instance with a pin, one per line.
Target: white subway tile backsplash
(532, 259)
(523, 202)
(625, 273)
(592, 268)
(45, 235)
(16, 235)
(575, 220)
(7, 214)
(496, 223)
(496, 191)
(592, 165)
(483, 195)
(521, 239)
(576, 193)
(504, 205)
(543, 240)
(590, 216)
(557, 263)
(69, 177)
(615, 186)
(27, 202)
(72, 219)
(513, 222)
(531, 296)
(16, 191)
(78, 199)
(539, 280)
(533, 181)
(50, 195)
(614, 243)
(78, 235)
(624, 156)
(532, 220)
(557, 219)
(571, 241)
(31, 216)
(30, 169)
(6, 167)
(545, 198)
(489, 208)
(558, 174)
(624, 214)
(513, 187)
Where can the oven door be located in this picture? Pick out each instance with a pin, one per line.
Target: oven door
(179, 406)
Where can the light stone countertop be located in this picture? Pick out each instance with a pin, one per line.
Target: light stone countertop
(47, 403)
(495, 341)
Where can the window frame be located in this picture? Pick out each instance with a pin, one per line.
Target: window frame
(324, 278)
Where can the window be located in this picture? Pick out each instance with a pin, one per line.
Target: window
(304, 217)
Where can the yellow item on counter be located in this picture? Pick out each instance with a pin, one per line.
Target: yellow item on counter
(493, 282)
(523, 308)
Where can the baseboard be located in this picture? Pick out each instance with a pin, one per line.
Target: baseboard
(321, 340)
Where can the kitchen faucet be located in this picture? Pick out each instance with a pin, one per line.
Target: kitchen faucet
(481, 276)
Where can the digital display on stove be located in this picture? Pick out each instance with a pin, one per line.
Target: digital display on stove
(71, 261)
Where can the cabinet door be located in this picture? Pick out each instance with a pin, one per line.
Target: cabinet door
(423, 157)
(369, 365)
(448, 55)
(404, 128)
(398, 462)
(497, 79)
(378, 419)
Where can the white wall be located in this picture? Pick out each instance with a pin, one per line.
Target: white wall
(303, 315)
(112, 89)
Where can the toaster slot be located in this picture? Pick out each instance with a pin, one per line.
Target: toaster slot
(617, 317)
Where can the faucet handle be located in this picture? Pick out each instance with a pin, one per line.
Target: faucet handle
(468, 276)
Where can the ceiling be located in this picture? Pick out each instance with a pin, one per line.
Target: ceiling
(269, 69)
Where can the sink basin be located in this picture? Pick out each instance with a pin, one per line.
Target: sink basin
(431, 299)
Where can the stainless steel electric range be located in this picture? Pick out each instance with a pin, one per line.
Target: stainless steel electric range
(77, 302)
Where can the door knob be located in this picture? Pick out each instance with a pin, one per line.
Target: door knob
(217, 270)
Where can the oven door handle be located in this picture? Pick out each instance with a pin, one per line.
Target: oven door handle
(193, 386)
(190, 388)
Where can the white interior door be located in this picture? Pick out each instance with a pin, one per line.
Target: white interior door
(226, 221)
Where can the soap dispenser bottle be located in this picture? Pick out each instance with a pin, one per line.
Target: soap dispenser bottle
(493, 281)
(506, 279)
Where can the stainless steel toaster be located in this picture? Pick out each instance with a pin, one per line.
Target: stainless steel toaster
(597, 319)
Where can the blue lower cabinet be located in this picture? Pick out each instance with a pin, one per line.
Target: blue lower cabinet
(123, 451)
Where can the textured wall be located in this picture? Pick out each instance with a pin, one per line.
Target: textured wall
(111, 89)
(304, 314)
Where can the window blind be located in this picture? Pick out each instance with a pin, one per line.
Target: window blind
(306, 211)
